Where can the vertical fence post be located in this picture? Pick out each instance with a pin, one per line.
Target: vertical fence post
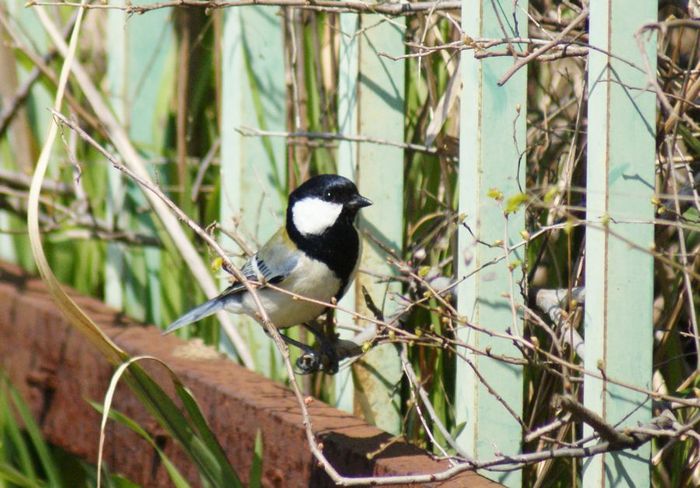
(348, 58)
(492, 141)
(619, 266)
(137, 71)
(253, 169)
(380, 103)
(371, 101)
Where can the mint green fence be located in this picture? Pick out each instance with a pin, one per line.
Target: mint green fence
(619, 268)
(492, 138)
(619, 234)
(257, 118)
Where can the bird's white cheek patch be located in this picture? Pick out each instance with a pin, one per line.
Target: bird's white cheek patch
(312, 216)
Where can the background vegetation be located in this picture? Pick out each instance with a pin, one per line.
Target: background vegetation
(78, 228)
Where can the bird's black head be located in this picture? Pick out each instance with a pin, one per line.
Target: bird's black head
(321, 202)
(320, 218)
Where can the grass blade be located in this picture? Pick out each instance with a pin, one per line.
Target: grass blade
(8, 473)
(256, 468)
(175, 476)
(193, 434)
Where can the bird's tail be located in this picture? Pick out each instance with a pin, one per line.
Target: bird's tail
(204, 310)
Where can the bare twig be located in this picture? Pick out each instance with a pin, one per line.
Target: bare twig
(541, 50)
(88, 227)
(606, 431)
(21, 180)
(334, 136)
(391, 9)
(203, 167)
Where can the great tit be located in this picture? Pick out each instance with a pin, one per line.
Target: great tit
(314, 255)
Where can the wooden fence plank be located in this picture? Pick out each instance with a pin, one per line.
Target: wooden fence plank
(374, 87)
(380, 101)
(137, 70)
(253, 170)
(348, 57)
(619, 269)
(492, 138)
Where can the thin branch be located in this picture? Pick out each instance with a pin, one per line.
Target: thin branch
(21, 180)
(389, 9)
(89, 227)
(334, 136)
(203, 167)
(540, 51)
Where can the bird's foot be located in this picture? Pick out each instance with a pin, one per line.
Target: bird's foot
(317, 360)
(321, 358)
(309, 362)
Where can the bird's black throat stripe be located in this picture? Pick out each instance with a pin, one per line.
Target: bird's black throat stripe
(338, 247)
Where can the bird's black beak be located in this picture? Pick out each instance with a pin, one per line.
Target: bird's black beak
(358, 201)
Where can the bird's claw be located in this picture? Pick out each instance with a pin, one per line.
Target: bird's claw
(312, 361)
(308, 363)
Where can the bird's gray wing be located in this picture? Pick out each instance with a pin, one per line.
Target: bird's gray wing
(271, 264)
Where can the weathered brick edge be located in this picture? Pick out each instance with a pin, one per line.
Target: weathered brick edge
(56, 370)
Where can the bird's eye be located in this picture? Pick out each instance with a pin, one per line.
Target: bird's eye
(330, 195)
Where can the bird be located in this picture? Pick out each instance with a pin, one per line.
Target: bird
(315, 255)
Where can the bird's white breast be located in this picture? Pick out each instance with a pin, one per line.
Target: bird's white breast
(309, 278)
(312, 216)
